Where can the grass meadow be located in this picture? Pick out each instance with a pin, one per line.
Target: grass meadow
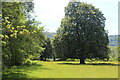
(63, 69)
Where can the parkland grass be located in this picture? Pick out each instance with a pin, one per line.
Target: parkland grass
(63, 69)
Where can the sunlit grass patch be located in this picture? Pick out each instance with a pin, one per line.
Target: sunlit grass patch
(64, 69)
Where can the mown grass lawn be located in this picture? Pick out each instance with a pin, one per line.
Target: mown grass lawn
(64, 69)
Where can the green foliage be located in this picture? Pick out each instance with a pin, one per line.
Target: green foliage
(47, 53)
(21, 36)
(82, 33)
(28, 62)
(115, 53)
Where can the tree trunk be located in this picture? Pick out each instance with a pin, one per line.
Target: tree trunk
(107, 58)
(82, 61)
(54, 59)
(41, 57)
(45, 59)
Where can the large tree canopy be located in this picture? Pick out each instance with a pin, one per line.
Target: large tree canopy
(82, 34)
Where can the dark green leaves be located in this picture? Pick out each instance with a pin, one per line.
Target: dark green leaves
(82, 33)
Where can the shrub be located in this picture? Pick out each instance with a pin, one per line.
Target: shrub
(28, 62)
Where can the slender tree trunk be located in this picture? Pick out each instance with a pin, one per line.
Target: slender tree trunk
(82, 61)
(54, 59)
(45, 59)
(107, 58)
(41, 58)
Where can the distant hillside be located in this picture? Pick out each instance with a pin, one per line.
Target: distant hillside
(113, 39)
(50, 34)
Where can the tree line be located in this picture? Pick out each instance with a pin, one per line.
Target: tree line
(81, 34)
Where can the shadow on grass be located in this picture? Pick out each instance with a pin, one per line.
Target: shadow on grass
(102, 64)
(21, 71)
(12, 74)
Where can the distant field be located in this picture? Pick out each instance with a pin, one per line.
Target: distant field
(64, 69)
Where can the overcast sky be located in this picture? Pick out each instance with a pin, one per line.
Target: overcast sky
(50, 13)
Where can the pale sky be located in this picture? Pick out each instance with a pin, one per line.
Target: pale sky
(51, 12)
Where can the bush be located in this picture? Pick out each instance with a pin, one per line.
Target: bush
(73, 59)
(28, 62)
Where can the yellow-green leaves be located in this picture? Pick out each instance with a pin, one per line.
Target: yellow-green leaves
(3, 43)
(15, 31)
(8, 26)
(6, 18)
(21, 32)
(14, 35)
(6, 37)
(21, 27)
(0, 15)
(18, 27)
(34, 31)
(1, 36)
(25, 31)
